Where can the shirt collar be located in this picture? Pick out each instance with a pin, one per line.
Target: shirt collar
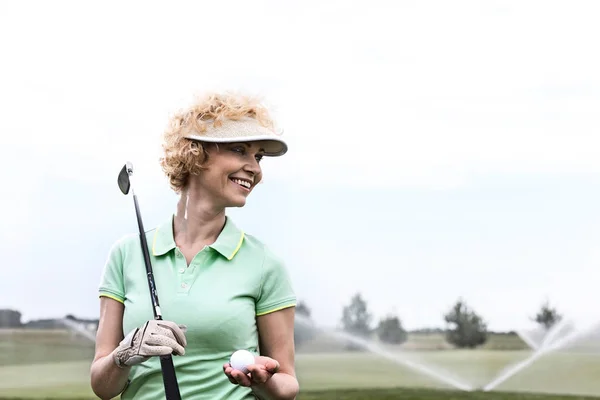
(228, 242)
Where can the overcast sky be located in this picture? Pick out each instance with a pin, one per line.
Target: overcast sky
(437, 149)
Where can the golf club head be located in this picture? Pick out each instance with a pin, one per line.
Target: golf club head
(123, 179)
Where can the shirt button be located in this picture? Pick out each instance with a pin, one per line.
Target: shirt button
(184, 285)
(181, 270)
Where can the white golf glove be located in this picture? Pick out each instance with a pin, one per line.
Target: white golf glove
(154, 338)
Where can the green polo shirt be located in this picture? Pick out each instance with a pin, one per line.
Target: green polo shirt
(217, 296)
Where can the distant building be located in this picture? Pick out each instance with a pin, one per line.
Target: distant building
(10, 319)
(87, 323)
(44, 324)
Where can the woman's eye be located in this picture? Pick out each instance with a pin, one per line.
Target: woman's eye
(242, 151)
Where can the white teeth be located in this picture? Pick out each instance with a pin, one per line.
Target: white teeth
(245, 184)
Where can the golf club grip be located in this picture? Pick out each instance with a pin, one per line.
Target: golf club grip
(169, 378)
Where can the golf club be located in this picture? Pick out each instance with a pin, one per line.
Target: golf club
(166, 362)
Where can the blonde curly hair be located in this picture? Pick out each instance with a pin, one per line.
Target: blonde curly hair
(184, 157)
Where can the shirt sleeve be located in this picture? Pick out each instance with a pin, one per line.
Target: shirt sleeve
(111, 281)
(276, 290)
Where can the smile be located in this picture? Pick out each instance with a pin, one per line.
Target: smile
(246, 184)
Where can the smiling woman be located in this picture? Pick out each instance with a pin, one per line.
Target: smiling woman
(216, 119)
(221, 289)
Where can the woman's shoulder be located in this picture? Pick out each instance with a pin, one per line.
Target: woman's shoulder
(269, 256)
(124, 241)
(256, 243)
(129, 241)
(276, 289)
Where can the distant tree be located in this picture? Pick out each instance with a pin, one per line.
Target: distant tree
(547, 316)
(10, 318)
(356, 318)
(390, 330)
(428, 330)
(303, 309)
(303, 332)
(466, 328)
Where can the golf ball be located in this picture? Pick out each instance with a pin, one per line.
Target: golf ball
(241, 359)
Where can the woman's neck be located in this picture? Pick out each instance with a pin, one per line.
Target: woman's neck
(197, 223)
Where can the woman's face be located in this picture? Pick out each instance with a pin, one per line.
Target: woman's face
(232, 172)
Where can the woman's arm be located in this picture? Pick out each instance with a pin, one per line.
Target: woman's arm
(107, 379)
(273, 375)
(276, 335)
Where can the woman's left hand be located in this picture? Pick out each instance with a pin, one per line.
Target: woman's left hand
(258, 373)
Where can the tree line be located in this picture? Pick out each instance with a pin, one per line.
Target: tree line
(464, 328)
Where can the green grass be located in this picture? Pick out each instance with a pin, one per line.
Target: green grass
(40, 380)
(20, 346)
(574, 373)
(394, 394)
(428, 394)
(38, 365)
(420, 342)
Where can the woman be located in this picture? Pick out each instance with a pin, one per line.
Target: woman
(220, 289)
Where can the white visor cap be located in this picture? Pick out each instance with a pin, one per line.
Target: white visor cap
(242, 130)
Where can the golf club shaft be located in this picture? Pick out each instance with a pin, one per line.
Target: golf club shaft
(144, 243)
(166, 362)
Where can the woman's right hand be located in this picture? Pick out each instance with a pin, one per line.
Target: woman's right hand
(154, 338)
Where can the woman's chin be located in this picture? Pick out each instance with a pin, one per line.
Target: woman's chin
(237, 203)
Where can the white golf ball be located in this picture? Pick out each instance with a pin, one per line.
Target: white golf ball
(241, 359)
